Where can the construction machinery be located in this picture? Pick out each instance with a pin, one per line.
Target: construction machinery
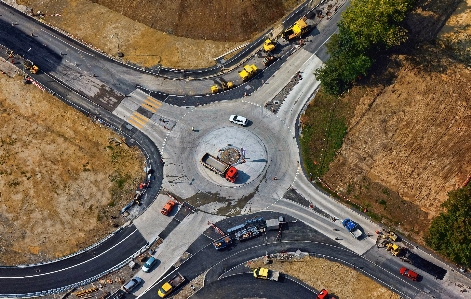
(224, 85)
(269, 45)
(220, 167)
(31, 67)
(394, 249)
(222, 243)
(170, 285)
(264, 273)
(297, 30)
(268, 60)
(248, 72)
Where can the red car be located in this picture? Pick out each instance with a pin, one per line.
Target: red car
(409, 273)
(323, 294)
(168, 207)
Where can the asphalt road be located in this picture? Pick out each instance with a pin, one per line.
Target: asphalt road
(296, 236)
(77, 268)
(79, 68)
(246, 286)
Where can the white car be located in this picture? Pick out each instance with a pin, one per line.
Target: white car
(238, 120)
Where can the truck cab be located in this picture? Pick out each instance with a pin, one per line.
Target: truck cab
(167, 208)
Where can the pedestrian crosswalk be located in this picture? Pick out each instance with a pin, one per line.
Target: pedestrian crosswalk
(138, 120)
(151, 104)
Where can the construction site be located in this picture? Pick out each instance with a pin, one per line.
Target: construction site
(72, 175)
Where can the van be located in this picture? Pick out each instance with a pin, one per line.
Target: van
(132, 284)
(149, 263)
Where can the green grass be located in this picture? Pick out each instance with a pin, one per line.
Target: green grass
(323, 128)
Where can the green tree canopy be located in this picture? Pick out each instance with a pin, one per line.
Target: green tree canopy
(366, 28)
(450, 232)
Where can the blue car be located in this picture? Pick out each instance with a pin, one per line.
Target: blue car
(149, 263)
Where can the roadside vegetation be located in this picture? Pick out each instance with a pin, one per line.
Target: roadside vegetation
(367, 28)
(450, 232)
(324, 126)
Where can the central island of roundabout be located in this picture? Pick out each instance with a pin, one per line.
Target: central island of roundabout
(234, 146)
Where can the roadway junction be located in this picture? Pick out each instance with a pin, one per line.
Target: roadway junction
(172, 116)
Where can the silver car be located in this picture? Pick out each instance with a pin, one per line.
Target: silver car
(132, 284)
(238, 120)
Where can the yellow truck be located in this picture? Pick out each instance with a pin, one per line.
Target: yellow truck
(298, 29)
(269, 45)
(264, 273)
(170, 285)
(248, 72)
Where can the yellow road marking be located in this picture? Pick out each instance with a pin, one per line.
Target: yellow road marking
(137, 125)
(148, 107)
(151, 104)
(138, 120)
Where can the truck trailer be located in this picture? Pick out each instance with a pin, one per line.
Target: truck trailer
(220, 167)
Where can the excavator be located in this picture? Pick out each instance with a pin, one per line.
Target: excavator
(31, 67)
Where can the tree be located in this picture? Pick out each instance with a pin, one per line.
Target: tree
(366, 28)
(450, 232)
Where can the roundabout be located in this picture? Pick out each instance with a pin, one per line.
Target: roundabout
(236, 146)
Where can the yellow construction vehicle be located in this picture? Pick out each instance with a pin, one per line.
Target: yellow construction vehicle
(269, 45)
(298, 29)
(394, 248)
(31, 67)
(224, 85)
(248, 72)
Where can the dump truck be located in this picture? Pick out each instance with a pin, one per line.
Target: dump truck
(222, 243)
(248, 72)
(167, 208)
(170, 285)
(224, 85)
(264, 273)
(297, 30)
(220, 167)
(269, 45)
(352, 228)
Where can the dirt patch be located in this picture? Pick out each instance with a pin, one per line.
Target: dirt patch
(218, 20)
(205, 29)
(62, 183)
(337, 279)
(409, 141)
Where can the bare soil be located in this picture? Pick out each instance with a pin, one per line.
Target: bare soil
(62, 183)
(339, 280)
(408, 138)
(179, 34)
